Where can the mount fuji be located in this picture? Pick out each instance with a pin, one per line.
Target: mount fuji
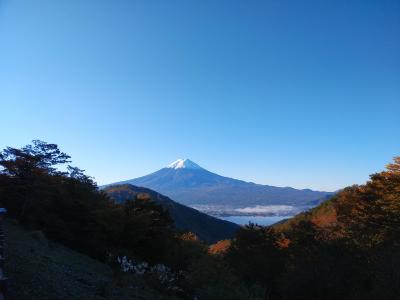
(188, 183)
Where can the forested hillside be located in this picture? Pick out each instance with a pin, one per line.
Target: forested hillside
(207, 228)
(346, 248)
(136, 238)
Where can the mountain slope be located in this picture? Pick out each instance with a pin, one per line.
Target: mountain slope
(208, 228)
(190, 184)
(40, 269)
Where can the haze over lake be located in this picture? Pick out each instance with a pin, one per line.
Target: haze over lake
(260, 220)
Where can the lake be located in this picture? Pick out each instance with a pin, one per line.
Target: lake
(260, 220)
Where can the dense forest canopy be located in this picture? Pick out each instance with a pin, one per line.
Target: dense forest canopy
(346, 248)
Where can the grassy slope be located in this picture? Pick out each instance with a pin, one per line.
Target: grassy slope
(39, 269)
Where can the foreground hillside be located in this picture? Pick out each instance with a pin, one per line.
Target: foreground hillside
(207, 228)
(347, 248)
(39, 269)
(134, 247)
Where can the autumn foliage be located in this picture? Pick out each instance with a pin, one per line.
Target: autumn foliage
(346, 248)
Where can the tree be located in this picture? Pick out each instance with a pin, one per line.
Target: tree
(38, 157)
(148, 229)
(35, 192)
(256, 255)
(370, 213)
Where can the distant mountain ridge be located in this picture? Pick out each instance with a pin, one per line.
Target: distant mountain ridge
(190, 184)
(207, 228)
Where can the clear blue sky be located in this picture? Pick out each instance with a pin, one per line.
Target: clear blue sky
(287, 93)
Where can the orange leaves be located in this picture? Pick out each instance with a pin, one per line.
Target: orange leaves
(220, 247)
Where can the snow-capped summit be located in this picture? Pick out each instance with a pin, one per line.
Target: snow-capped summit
(183, 164)
(190, 184)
